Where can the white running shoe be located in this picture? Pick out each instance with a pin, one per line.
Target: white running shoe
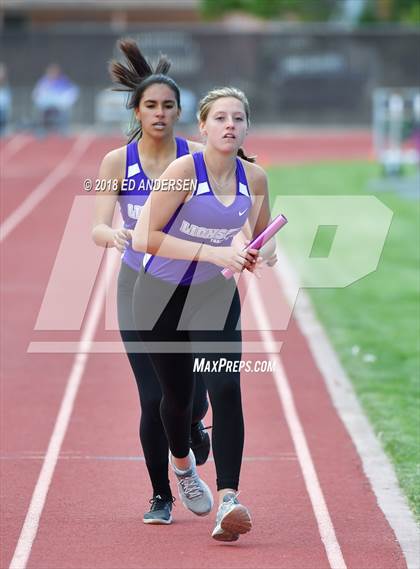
(232, 519)
(193, 492)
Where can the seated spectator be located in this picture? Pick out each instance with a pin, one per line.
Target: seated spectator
(54, 96)
(5, 100)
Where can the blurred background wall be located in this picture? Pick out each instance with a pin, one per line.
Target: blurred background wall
(301, 63)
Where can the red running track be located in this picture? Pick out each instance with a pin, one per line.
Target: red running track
(99, 488)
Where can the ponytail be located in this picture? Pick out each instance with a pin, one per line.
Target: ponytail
(242, 155)
(128, 77)
(135, 75)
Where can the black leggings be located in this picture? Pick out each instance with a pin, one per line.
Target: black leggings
(177, 324)
(152, 434)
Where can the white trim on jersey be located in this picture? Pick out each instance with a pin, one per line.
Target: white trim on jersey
(132, 170)
(202, 188)
(243, 189)
(146, 258)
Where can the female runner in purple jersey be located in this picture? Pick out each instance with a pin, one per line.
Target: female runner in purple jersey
(181, 299)
(155, 98)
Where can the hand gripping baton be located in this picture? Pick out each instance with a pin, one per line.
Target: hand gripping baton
(261, 239)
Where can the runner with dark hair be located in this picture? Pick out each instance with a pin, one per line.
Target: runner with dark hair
(155, 100)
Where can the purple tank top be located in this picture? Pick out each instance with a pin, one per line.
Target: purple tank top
(134, 192)
(202, 219)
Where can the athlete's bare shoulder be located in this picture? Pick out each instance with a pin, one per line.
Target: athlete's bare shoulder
(195, 146)
(256, 176)
(182, 167)
(113, 163)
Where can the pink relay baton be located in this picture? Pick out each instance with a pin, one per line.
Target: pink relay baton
(261, 239)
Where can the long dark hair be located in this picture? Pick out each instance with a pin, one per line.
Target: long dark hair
(135, 75)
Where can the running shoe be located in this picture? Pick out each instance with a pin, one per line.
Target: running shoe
(200, 442)
(193, 492)
(232, 519)
(160, 511)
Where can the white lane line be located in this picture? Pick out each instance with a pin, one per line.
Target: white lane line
(66, 456)
(376, 465)
(13, 146)
(109, 347)
(313, 487)
(62, 170)
(31, 523)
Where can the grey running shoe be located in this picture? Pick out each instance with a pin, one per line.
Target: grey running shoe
(232, 519)
(193, 492)
(160, 511)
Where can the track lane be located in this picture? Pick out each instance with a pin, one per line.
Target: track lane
(363, 533)
(11, 145)
(32, 384)
(115, 505)
(22, 171)
(103, 434)
(100, 450)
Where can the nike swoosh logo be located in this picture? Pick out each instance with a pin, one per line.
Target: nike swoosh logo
(242, 212)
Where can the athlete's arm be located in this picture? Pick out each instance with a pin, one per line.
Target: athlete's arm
(148, 235)
(112, 172)
(260, 216)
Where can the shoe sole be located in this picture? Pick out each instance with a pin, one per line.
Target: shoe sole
(192, 511)
(233, 524)
(224, 536)
(158, 522)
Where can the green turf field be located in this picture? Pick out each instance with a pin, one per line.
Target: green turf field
(374, 324)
